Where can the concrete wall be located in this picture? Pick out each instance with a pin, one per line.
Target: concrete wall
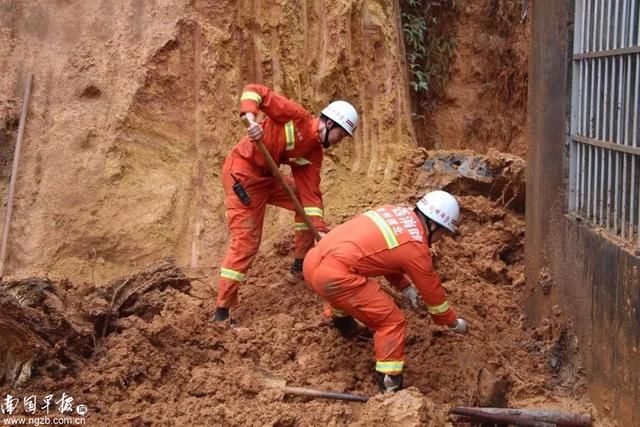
(595, 281)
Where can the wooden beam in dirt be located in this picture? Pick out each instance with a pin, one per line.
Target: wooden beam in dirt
(14, 172)
(524, 417)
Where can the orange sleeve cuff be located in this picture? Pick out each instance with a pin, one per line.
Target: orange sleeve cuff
(445, 318)
(248, 106)
(319, 224)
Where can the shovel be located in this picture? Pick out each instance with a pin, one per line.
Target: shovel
(276, 173)
(271, 381)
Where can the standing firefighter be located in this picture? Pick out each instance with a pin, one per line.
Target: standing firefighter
(293, 136)
(389, 241)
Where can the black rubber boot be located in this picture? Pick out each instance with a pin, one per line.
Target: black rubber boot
(297, 265)
(389, 383)
(295, 272)
(220, 315)
(347, 326)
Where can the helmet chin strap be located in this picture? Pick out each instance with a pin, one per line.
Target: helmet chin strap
(432, 226)
(327, 129)
(431, 229)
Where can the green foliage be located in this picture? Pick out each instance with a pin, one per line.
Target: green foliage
(430, 44)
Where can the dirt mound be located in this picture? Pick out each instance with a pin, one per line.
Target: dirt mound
(162, 361)
(408, 408)
(50, 330)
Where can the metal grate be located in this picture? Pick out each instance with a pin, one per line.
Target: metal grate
(604, 148)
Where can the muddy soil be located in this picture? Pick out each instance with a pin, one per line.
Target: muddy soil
(161, 361)
(132, 113)
(484, 104)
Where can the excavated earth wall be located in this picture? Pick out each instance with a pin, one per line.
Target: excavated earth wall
(134, 107)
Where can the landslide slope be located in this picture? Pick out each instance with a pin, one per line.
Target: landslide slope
(134, 107)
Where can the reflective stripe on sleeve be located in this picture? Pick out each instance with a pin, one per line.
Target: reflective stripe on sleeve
(251, 96)
(385, 229)
(300, 226)
(290, 135)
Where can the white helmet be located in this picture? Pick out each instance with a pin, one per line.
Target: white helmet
(343, 114)
(442, 208)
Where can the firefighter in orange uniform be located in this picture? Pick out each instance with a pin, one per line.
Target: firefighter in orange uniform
(389, 241)
(293, 136)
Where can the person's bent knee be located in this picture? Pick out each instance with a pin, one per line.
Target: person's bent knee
(248, 248)
(394, 321)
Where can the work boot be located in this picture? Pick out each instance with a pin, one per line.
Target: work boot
(221, 314)
(294, 275)
(389, 383)
(347, 326)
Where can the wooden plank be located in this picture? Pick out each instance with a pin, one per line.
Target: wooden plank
(14, 172)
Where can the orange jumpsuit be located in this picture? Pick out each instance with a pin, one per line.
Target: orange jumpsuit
(389, 241)
(291, 137)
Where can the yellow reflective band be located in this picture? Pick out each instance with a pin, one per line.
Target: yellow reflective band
(385, 229)
(438, 309)
(300, 161)
(314, 212)
(290, 135)
(338, 313)
(300, 226)
(251, 96)
(231, 274)
(390, 366)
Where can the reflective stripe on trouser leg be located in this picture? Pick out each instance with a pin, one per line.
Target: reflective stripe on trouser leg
(383, 316)
(304, 237)
(438, 309)
(391, 367)
(364, 300)
(228, 273)
(240, 254)
(336, 312)
(228, 285)
(330, 312)
(245, 229)
(314, 211)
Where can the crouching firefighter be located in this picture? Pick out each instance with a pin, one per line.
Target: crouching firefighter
(389, 241)
(293, 136)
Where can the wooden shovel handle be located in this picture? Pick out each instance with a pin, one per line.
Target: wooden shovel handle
(276, 172)
(302, 391)
(14, 173)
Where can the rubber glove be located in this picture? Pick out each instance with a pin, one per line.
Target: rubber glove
(410, 294)
(460, 326)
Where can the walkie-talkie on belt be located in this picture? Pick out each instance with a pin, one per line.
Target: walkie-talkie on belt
(241, 192)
